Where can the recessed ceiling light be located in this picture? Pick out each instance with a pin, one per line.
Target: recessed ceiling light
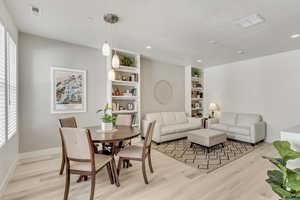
(148, 47)
(251, 20)
(199, 61)
(241, 52)
(295, 36)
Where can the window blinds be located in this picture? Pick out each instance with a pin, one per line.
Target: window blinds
(11, 86)
(2, 86)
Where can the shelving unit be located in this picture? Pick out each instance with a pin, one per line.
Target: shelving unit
(193, 91)
(123, 93)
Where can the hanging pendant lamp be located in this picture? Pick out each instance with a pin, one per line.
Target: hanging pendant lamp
(115, 61)
(109, 19)
(106, 49)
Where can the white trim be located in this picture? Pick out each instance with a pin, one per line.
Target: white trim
(43, 152)
(8, 176)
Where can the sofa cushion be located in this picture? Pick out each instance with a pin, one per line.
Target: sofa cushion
(180, 117)
(247, 119)
(175, 128)
(168, 118)
(222, 127)
(228, 118)
(154, 116)
(239, 130)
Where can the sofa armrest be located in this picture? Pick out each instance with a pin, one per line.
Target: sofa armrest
(258, 131)
(156, 130)
(194, 120)
(212, 121)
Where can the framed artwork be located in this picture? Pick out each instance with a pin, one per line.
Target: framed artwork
(68, 90)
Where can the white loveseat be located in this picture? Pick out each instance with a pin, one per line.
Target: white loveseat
(239, 126)
(170, 125)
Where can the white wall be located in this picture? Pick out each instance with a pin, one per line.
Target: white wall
(267, 85)
(154, 71)
(9, 152)
(38, 127)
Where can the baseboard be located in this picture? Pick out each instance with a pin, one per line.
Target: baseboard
(8, 176)
(43, 152)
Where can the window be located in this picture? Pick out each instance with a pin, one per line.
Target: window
(11, 87)
(2, 87)
(8, 86)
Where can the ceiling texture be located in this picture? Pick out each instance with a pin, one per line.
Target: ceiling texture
(178, 31)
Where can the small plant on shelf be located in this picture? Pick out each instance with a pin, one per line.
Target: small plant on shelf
(106, 118)
(126, 61)
(285, 182)
(195, 73)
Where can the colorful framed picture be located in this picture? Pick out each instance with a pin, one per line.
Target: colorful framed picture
(68, 90)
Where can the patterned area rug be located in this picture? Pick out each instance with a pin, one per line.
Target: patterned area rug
(198, 157)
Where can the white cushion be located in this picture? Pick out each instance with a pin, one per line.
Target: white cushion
(168, 118)
(181, 117)
(154, 116)
(132, 151)
(169, 129)
(247, 119)
(222, 127)
(228, 118)
(175, 128)
(240, 130)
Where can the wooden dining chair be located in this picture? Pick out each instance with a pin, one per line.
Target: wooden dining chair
(82, 160)
(138, 153)
(66, 123)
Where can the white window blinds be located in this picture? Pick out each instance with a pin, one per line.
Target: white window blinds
(2, 87)
(11, 86)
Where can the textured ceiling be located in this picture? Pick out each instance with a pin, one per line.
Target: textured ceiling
(179, 31)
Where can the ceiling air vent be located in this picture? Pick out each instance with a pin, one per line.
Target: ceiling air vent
(249, 21)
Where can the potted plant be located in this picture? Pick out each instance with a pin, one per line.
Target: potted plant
(107, 119)
(285, 182)
(195, 73)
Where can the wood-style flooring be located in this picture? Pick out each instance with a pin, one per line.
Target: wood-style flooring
(243, 179)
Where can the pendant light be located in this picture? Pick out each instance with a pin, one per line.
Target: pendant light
(106, 49)
(115, 61)
(112, 75)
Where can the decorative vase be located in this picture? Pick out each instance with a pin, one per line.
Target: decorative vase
(107, 126)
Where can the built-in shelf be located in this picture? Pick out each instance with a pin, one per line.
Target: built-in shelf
(124, 111)
(127, 69)
(197, 89)
(196, 79)
(125, 83)
(197, 99)
(125, 97)
(197, 108)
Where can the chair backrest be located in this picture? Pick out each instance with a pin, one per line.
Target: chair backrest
(148, 137)
(68, 122)
(124, 120)
(77, 143)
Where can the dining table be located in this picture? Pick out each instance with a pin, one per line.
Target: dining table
(113, 137)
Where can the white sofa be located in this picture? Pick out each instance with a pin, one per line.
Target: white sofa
(239, 126)
(170, 125)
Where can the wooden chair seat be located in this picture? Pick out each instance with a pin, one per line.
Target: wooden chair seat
(100, 161)
(132, 151)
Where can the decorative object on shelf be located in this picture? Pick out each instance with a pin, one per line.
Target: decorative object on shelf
(163, 92)
(109, 19)
(107, 119)
(68, 90)
(124, 78)
(213, 107)
(195, 73)
(115, 61)
(285, 182)
(130, 106)
(126, 61)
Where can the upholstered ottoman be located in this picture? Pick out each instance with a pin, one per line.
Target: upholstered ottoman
(207, 137)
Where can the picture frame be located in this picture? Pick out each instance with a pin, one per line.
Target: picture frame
(68, 90)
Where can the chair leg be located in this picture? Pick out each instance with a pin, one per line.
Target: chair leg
(62, 167)
(67, 186)
(144, 171)
(108, 167)
(93, 183)
(119, 165)
(114, 169)
(150, 162)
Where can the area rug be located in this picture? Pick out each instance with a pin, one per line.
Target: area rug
(198, 157)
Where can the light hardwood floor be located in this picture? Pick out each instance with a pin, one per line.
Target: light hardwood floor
(243, 179)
